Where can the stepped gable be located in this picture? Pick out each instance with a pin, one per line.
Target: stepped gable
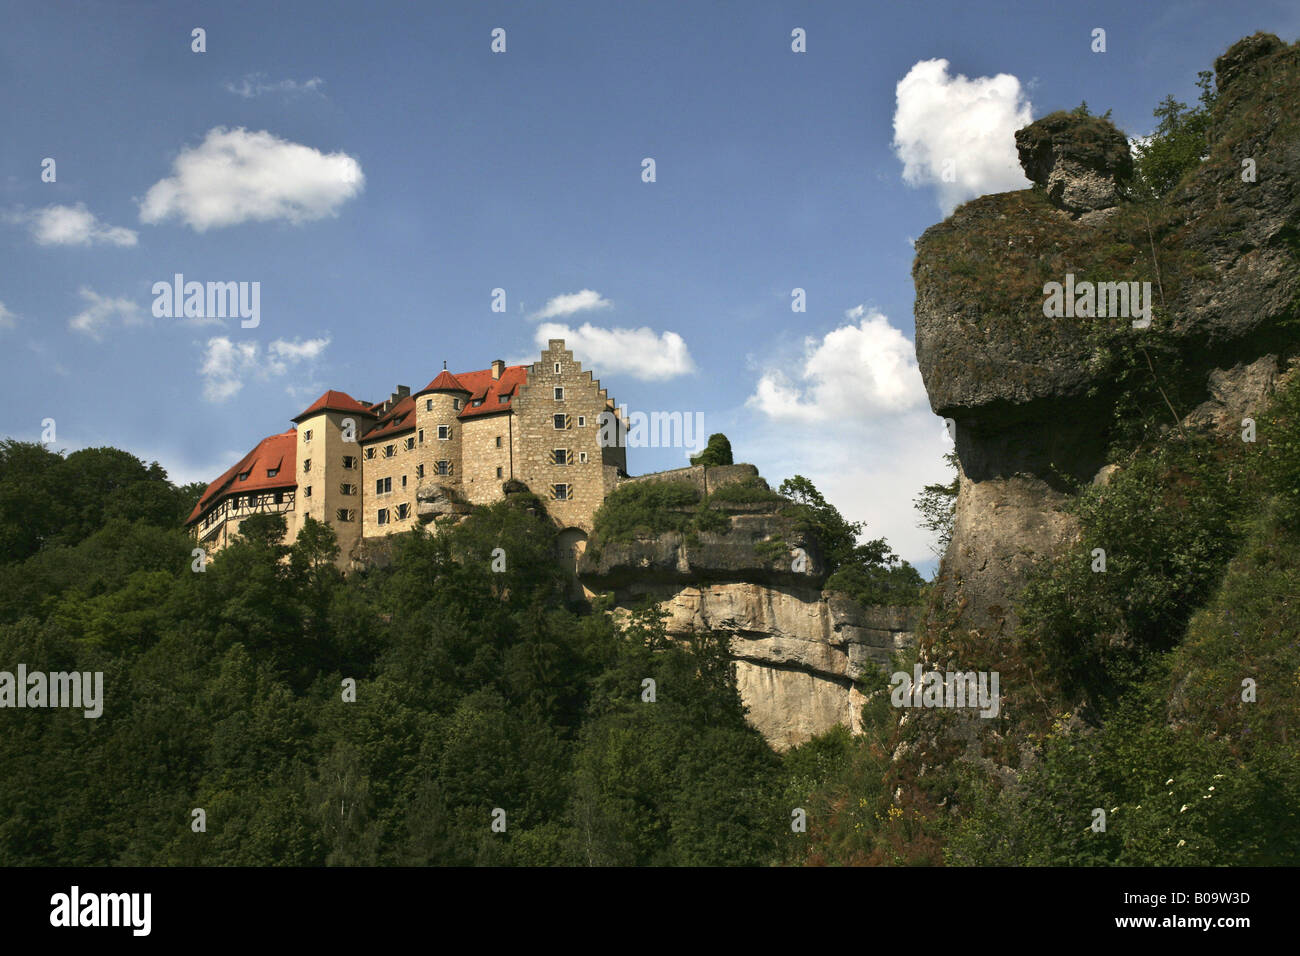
(276, 453)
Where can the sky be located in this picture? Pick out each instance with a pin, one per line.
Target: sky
(379, 170)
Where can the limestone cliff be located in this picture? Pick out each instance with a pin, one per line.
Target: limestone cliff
(1033, 398)
(798, 649)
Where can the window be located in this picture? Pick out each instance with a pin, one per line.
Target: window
(347, 489)
(502, 399)
(444, 432)
(306, 491)
(306, 436)
(498, 441)
(560, 456)
(403, 512)
(477, 402)
(409, 443)
(582, 421)
(279, 497)
(455, 404)
(557, 368)
(428, 404)
(421, 436)
(306, 466)
(370, 453)
(561, 422)
(383, 486)
(419, 471)
(560, 492)
(582, 457)
(243, 475)
(559, 393)
(345, 514)
(382, 516)
(498, 471)
(272, 472)
(390, 451)
(403, 481)
(349, 461)
(444, 467)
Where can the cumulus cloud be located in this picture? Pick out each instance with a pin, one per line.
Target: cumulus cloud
(7, 319)
(73, 226)
(639, 353)
(237, 176)
(863, 368)
(852, 417)
(226, 365)
(562, 305)
(958, 134)
(100, 311)
(256, 84)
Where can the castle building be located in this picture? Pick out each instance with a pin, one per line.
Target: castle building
(371, 470)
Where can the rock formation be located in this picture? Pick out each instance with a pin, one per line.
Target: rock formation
(798, 649)
(1032, 397)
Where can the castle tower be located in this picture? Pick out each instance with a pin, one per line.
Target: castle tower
(328, 462)
(438, 407)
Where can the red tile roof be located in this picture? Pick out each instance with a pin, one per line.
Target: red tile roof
(276, 452)
(335, 401)
(482, 386)
(445, 382)
(399, 419)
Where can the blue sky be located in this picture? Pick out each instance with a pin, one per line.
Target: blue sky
(391, 171)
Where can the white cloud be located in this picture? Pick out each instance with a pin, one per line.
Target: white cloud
(100, 311)
(639, 353)
(73, 226)
(859, 369)
(226, 365)
(562, 305)
(237, 176)
(7, 318)
(969, 123)
(853, 418)
(255, 84)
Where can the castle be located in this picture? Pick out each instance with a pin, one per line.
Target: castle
(372, 470)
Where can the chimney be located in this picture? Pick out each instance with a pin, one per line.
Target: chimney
(498, 366)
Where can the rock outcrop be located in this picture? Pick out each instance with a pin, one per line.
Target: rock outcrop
(798, 649)
(1031, 396)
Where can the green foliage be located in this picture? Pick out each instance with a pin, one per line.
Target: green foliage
(750, 491)
(716, 452)
(1179, 143)
(937, 504)
(647, 508)
(870, 571)
(476, 689)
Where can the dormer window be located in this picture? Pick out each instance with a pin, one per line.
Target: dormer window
(502, 399)
(272, 472)
(243, 475)
(477, 402)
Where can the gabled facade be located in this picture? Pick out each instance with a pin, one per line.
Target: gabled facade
(371, 470)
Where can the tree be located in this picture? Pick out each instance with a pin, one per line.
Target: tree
(717, 452)
(938, 506)
(1180, 142)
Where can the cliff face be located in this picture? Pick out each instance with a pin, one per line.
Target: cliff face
(798, 649)
(1032, 396)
